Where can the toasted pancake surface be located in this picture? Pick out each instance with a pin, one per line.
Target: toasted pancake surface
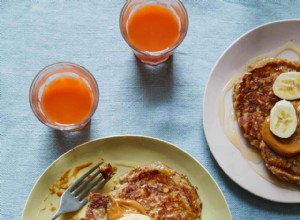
(97, 208)
(253, 99)
(287, 169)
(164, 193)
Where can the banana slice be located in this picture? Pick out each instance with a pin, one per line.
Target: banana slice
(287, 86)
(283, 119)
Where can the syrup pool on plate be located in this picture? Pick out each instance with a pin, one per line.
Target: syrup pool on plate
(64, 96)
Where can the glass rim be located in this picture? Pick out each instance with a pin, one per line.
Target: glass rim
(55, 125)
(160, 52)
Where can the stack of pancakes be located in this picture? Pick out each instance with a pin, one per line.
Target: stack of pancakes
(253, 99)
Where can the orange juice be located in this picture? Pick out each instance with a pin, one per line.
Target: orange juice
(153, 28)
(67, 100)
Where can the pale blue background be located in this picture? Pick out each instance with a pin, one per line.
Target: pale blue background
(164, 102)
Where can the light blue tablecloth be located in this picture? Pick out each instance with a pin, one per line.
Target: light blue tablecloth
(163, 102)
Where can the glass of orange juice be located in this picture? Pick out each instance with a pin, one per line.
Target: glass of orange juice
(153, 28)
(64, 96)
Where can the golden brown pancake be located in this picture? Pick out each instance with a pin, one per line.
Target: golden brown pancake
(287, 169)
(97, 208)
(253, 99)
(162, 192)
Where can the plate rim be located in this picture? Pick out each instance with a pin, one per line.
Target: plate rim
(204, 113)
(126, 136)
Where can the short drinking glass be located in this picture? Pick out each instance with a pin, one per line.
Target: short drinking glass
(153, 28)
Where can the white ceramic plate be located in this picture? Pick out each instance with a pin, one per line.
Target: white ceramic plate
(124, 152)
(252, 177)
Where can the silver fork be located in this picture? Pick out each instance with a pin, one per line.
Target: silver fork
(77, 194)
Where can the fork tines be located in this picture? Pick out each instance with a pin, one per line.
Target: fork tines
(77, 194)
(91, 181)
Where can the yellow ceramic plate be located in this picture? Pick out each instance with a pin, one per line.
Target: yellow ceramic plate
(124, 152)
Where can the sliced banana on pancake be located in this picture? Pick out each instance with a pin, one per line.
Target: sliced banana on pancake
(283, 119)
(287, 86)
